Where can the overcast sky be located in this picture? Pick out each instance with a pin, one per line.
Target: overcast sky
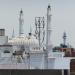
(63, 17)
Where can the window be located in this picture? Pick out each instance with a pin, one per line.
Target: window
(6, 51)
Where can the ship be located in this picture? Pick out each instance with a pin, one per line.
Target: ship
(34, 51)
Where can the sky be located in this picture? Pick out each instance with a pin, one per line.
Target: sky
(63, 17)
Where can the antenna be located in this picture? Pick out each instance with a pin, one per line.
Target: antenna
(39, 32)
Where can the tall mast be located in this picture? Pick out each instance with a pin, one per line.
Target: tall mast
(21, 22)
(48, 43)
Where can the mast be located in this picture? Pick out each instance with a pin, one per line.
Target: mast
(21, 22)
